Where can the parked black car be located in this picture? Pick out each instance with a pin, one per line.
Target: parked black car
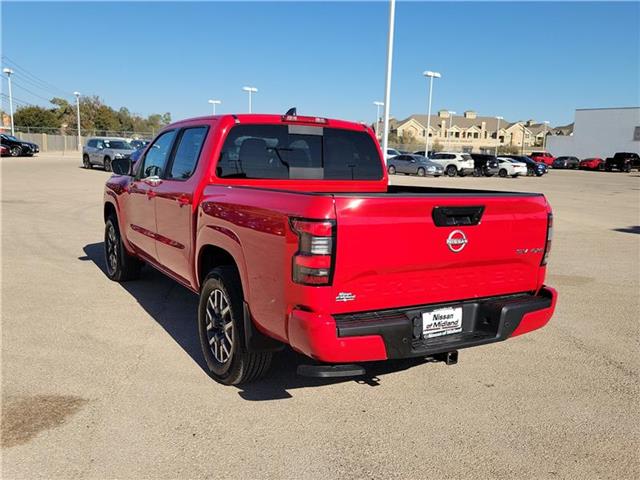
(533, 168)
(17, 147)
(485, 164)
(623, 161)
(566, 162)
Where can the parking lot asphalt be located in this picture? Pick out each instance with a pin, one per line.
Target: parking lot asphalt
(101, 380)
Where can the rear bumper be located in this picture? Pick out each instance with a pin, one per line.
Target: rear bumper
(388, 334)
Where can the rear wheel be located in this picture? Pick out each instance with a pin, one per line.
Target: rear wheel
(86, 163)
(107, 164)
(121, 266)
(502, 173)
(15, 151)
(421, 172)
(601, 167)
(221, 329)
(391, 170)
(452, 171)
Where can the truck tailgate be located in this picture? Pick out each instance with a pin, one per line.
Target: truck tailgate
(392, 252)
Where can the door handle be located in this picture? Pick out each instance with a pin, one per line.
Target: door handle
(154, 180)
(184, 200)
(150, 194)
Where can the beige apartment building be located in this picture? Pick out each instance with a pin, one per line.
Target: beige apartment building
(473, 133)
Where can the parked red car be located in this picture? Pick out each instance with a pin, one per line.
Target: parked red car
(592, 164)
(3, 151)
(287, 229)
(543, 157)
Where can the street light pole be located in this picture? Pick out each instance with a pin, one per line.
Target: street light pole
(544, 138)
(523, 135)
(378, 105)
(214, 103)
(387, 84)
(431, 76)
(250, 90)
(498, 134)
(8, 71)
(77, 94)
(451, 114)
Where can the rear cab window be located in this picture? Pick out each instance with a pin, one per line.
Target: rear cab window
(298, 152)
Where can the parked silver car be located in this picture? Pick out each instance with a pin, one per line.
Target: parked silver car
(414, 165)
(103, 150)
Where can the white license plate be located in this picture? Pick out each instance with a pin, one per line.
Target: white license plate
(443, 321)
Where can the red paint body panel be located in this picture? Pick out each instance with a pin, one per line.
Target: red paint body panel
(538, 319)
(388, 251)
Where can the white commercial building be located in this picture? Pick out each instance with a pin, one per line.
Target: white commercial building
(600, 132)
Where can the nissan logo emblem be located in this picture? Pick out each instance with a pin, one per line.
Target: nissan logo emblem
(456, 241)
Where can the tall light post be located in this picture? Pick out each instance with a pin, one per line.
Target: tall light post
(544, 138)
(387, 82)
(378, 105)
(451, 114)
(214, 103)
(250, 91)
(8, 71)
(431, 75)
(498, 133)
(77, 94)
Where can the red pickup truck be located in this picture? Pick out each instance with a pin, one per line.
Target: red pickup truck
(287, 229)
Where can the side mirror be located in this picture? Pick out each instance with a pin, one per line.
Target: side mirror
(121, 166)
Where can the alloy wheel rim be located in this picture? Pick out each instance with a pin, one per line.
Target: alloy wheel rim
(112, 249)
(219, 326)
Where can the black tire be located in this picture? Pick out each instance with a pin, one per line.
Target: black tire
(222, 289)
(86, 163)
(503, 173)
(391, 170)
(607, 168)
(451, 171)
(15, 151)
(121, 266)
(514, 176)
(107, 164)
(421, 172)
(538, 174)
(601, 167)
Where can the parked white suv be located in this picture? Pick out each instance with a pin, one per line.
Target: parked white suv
(454, 163)
(509, 166)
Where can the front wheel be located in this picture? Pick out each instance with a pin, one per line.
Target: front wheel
(15, 151)
(107, 164)
(502, 173)
(421, 172)
(391, 170)
(121, 266)
(221, 329)
(86, 163)
(452, 171)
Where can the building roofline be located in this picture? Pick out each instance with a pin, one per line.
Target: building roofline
(607, 108)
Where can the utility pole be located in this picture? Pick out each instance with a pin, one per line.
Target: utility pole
(387, 85)
(498, 134)
(8, 71)
(77, 94)
(431, 76)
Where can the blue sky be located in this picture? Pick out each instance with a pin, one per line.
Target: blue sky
(519, 60)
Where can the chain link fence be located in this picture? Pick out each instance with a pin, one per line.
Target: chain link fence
(57, 140)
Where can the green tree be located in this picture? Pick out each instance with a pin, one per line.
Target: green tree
(33, 116)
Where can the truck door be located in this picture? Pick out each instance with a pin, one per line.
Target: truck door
(175, 209)
(140, 212)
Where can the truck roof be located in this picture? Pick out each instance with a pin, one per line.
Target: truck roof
(277, 119)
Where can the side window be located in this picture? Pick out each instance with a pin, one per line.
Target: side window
(92, 143)
(157, 155)
(99, 143)
(187, 153)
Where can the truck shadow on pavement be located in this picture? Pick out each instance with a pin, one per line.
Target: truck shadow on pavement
(174, 308)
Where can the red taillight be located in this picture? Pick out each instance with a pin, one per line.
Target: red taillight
(313, 262)
(303, 119)
(547, 246)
